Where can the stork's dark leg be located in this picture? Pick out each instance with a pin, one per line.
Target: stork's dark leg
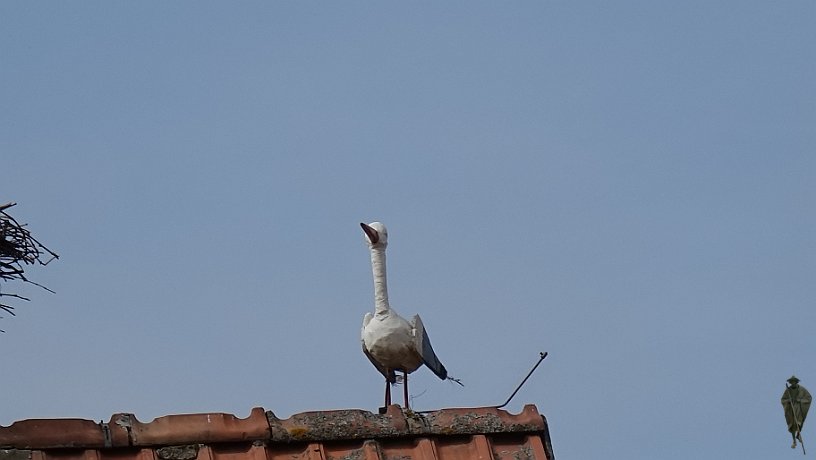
(405, 387)
(387, 393)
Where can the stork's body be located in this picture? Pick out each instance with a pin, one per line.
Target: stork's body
(390, 341)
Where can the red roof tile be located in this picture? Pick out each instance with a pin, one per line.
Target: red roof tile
(447, 434)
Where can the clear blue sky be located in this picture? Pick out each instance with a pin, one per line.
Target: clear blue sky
(627, 185)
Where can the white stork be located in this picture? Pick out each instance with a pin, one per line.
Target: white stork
(391, 342)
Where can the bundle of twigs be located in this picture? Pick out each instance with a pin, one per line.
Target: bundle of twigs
(18, 249)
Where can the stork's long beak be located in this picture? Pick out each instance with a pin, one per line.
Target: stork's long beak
(372, 234)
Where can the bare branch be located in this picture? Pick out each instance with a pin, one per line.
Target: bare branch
(18, 249)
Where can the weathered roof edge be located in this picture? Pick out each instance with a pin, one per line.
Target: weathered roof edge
(124, 430)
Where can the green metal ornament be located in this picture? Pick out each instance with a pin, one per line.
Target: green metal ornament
(796, 402)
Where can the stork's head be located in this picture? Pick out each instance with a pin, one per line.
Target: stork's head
(376, 234)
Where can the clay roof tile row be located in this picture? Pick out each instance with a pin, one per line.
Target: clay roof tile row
(340, 434)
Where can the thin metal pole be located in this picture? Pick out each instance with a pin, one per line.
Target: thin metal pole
(405, 388)
(796, 421)
(542, 355)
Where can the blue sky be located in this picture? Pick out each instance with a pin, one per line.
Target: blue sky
(626, 185)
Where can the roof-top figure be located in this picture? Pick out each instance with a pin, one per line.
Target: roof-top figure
(796, 403)
(389, 340)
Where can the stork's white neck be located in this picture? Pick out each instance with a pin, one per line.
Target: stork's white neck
(381, 305)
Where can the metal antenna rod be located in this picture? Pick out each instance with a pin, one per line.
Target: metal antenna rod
(541, 358)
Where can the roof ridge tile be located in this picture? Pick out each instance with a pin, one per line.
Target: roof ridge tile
(37, 433)
(125, 430)
(396, 422)
(211, 427)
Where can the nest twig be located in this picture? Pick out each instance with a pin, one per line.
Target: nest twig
(17, 250)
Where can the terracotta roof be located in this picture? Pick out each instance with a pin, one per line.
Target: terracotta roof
(447, 434)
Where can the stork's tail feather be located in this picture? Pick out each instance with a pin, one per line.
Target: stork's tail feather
(459, 381)
(425, 350)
